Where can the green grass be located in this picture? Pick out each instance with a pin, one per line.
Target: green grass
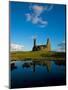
(34, 55)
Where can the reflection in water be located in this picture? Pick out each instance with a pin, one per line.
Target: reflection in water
(27, 65)
(48, 65)
(38, 73)
(60, 62)
(33, 64)
(13, 66)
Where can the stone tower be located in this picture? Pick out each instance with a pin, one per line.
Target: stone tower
(34, 45)
(34, 42)
(48, 45)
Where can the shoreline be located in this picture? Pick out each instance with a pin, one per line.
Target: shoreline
(37, 55)
(37, 59)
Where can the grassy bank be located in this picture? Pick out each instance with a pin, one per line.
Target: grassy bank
(37, 55)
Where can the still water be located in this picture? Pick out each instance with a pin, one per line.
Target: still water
(38, 73)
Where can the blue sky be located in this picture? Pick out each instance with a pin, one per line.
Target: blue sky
(34, 19)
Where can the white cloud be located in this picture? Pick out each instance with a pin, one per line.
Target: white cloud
(43, 22)
(35, 20)
(35, 16)
(37, 9)
(28, 16)
(16, 47)
(61, 47)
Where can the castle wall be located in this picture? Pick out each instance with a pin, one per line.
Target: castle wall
(46, 47)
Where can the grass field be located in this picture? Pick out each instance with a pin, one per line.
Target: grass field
(37, 55)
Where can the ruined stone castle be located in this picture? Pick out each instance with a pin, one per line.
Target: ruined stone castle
(46, 47)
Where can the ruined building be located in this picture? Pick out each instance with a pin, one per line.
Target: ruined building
(46, 47)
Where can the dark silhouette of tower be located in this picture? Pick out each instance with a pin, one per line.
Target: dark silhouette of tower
(34, 45)
(34, 42)
(48, 45)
